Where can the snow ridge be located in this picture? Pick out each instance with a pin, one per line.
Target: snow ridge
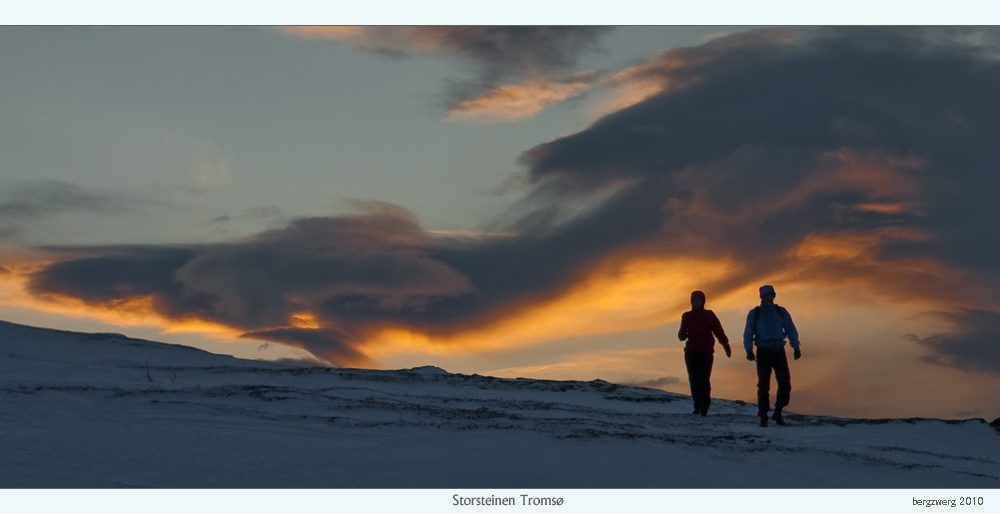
(103, 410)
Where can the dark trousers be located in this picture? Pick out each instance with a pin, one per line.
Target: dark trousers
(768, 359)
(699, 366)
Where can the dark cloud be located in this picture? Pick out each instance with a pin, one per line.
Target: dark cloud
(25, 201)
(972, 345)
(376, 263)
(754, 146)
(884, 139)
(512, 54)
(511, 50)
(782, 91)
(491, 55)
(253, 213)
(103, 274)
(31, 199)
(334, 345)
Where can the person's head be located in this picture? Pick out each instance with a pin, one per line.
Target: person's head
(697, 299)
(767, 294)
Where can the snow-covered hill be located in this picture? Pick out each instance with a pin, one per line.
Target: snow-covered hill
(103, 410)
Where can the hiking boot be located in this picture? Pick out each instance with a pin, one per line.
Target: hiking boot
(763, 420)
(777, 418)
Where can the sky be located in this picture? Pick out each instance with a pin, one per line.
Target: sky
(518, 201)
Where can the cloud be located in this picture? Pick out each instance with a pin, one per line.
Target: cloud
(253, 213)
(776, 135)
(26, 201)
(332, 345)
(858, 157)
(507, 62)
(972, 343)
(508, 103)
(498, 50)
(682, 67)
(45, 197)
(658, 382)
(371, 265)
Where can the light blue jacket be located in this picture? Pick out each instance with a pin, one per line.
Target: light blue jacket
(771, 329)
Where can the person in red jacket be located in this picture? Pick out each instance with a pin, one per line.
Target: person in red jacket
(700, 327)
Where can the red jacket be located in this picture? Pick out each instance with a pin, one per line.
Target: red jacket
(698, 327)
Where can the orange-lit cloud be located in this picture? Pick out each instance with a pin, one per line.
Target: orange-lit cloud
(888, 182)
(849, 246)
(682, 67)
(516, 71)
(513, 102)
(637, 83)
(638, 289)
(304, 320)
(135, 311)
(619, 294)
(144, 311)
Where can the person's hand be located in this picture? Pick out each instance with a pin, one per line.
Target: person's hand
(750, 356)
(797, 354)
(729, 351)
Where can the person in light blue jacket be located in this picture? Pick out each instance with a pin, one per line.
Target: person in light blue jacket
(768, 325)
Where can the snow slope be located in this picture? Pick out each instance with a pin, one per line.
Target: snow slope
(103, 410)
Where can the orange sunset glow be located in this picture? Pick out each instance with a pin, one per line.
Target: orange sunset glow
(519, 201)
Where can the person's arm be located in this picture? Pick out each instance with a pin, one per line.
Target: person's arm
(721, 335)
(790, 331)
(748, 335)
(682, 334)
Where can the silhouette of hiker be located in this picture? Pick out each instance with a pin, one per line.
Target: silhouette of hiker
(767, 326)
(700, 326)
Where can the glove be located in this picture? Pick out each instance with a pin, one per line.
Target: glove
(729, 351)
(797, 354)
(750, 356)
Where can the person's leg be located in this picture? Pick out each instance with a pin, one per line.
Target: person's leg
(784, 379)
(692, 369)
(701, 366)
(764, 364)
(706, 390)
